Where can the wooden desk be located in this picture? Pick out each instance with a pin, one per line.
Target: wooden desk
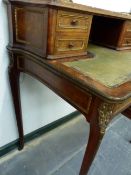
(52, 29)
(98, 87)
(98, 102)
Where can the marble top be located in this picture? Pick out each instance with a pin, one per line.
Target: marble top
(109, 67)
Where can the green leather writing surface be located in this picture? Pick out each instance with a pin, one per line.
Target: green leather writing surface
(109, 67)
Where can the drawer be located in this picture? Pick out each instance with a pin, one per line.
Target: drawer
(126, 42)
(68, 46)
(75, 21)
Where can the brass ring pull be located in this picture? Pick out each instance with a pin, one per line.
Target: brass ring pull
(74, 22)
(70, 45)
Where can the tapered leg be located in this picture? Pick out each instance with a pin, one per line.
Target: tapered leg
(93, 143)
(99, 117)
(91, 149)
(14, 83)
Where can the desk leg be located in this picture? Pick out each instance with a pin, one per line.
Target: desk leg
(94, 139)
(15, 90)
(127, 112)
(100, 116)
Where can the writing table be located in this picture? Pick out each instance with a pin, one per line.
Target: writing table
(84, 84)
(48, 40)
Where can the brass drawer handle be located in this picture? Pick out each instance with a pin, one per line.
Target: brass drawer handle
(70, 45)
(74, 22)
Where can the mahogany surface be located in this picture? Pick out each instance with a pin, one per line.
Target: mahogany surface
(37, 35)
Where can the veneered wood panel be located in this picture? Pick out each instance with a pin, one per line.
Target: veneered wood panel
(31, 28)
(62, 86)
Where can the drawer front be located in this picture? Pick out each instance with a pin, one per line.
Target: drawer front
(75, 21)
(70, 45)
(126, 42)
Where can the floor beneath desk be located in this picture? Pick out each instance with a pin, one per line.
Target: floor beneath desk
(60, 151)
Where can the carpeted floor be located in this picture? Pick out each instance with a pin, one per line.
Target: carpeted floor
(60, 151)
